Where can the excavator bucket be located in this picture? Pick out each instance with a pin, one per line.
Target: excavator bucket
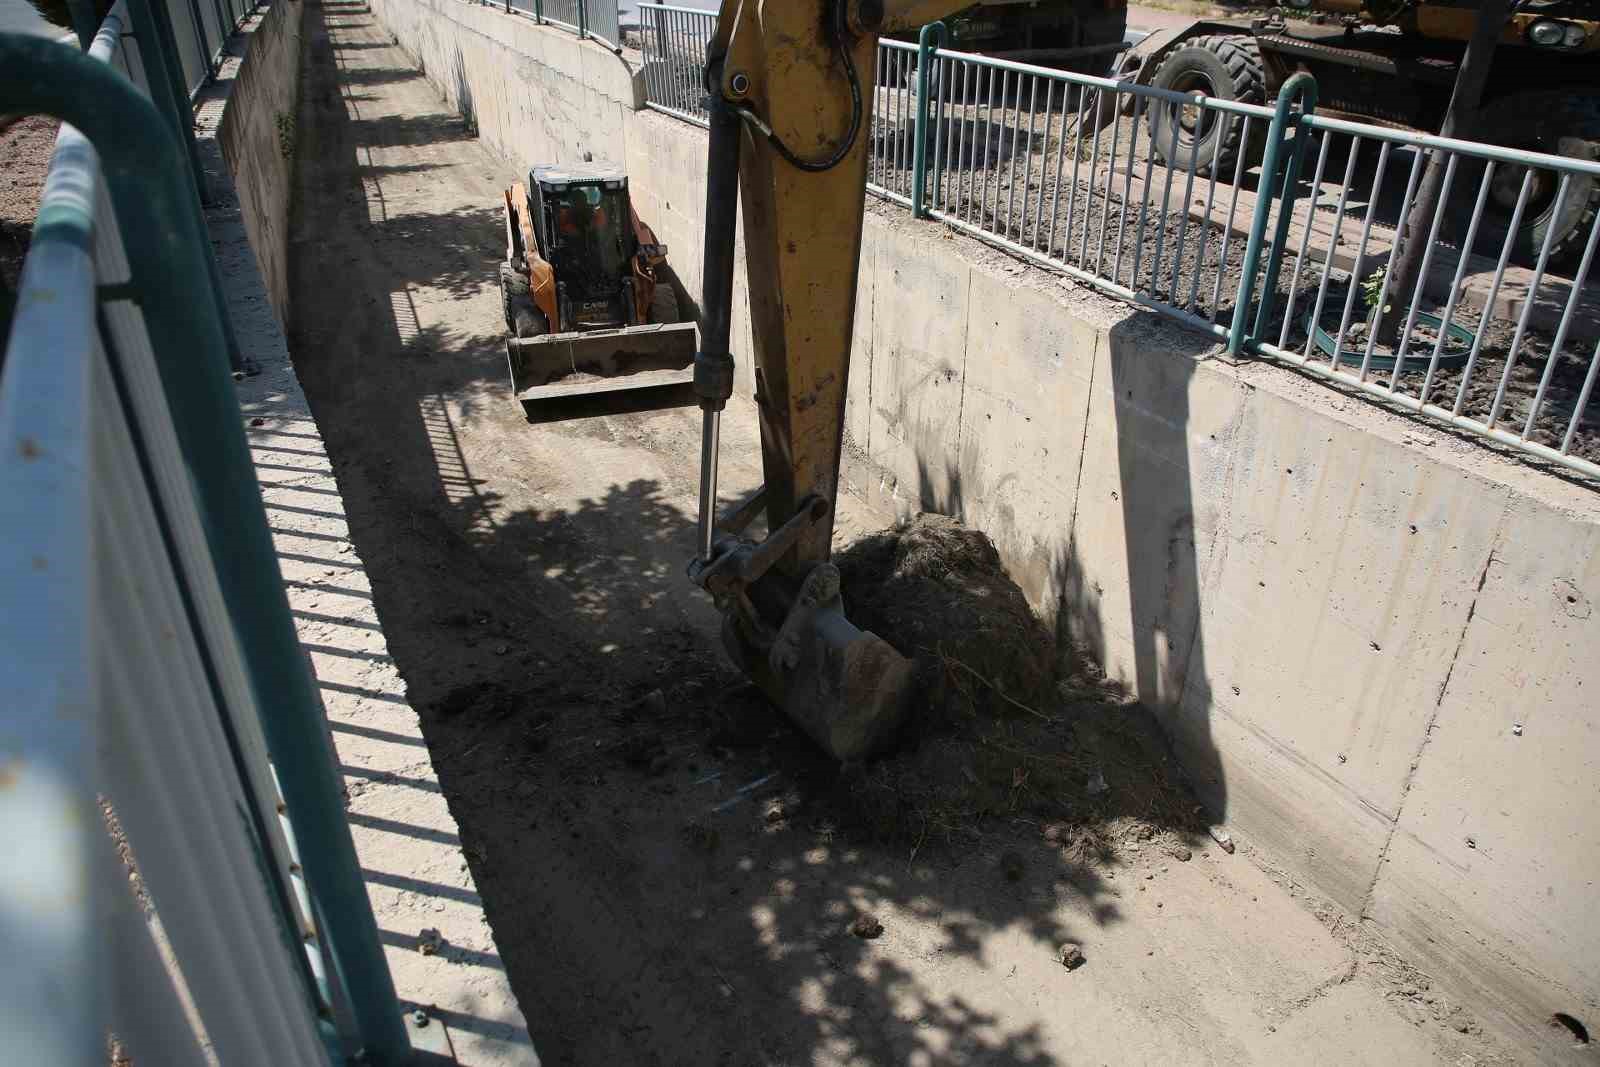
(845, 687)
(654, 360)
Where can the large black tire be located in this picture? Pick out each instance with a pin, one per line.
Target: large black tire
(523, 317)
(1227, 68)
(1563, 123)
(664, 304)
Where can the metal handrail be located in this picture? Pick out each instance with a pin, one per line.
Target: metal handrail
(141, 161)
(1476, 149)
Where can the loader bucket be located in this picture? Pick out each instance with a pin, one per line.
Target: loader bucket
(658, 360)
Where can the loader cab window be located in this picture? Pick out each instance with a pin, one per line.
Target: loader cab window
(588, 226)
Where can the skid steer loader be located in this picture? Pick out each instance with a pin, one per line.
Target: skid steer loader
(588, 308)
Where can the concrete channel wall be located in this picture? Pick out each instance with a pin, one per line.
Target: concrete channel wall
(258, 137)
(1372, 643)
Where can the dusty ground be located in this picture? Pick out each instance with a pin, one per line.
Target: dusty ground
(25, 148)
(655, 850)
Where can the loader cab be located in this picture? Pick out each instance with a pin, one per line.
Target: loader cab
(582, 220)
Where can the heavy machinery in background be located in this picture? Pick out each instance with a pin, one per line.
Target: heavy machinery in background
(588, 306)
(1076, 35)
(788, 84)
(1395, 63)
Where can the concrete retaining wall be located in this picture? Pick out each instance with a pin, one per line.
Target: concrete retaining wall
(1370, 642)
(537, 94)
(257, 136)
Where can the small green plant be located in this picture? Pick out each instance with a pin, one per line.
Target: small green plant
(1372, 288)
(285, 123)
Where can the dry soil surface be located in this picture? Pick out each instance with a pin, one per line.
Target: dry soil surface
(653, 846)
(25, 149)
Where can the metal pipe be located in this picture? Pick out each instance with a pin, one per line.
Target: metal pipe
(1127, 190)
(1055, 205)
(919, 149)
(1144, 192)
(1183, 227)
(1455, 283)
(1027, 161)
(1161, 225)
(940, 147)
(1305, 239)
(1569, 164)
(1422, 273)
(1494, 289)
(1205, 229)
(1566, 321)
(992, 166)
(1233, 213)
(710, 439)
(1299, 86)
(1361, 254)
(1088, 195)
(1527, 306)
(1147, 91)
(1388, 271)
(1333, 243)
(969, 133)
(1044, 161)
(1583, 402)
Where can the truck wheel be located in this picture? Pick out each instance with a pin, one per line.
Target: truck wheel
(1557, 123)
(1228, 68)
(664, 304)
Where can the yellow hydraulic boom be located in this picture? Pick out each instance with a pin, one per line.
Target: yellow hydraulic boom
(789, 84)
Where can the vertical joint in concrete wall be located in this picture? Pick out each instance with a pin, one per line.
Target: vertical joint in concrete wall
(961, 402)
(1427, 732)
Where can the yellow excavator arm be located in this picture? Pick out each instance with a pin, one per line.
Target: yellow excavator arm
(790, 86)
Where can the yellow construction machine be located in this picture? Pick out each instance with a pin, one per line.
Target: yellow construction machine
(588, 307)
(788, 87)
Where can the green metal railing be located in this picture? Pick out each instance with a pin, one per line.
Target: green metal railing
(1111, 184)
(590, 19)
(122, 196)
(1103, 181)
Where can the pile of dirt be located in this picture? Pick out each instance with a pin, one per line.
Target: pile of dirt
(937, 592)
(1001, 728)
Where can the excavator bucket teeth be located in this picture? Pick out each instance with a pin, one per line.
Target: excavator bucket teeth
(564, 366)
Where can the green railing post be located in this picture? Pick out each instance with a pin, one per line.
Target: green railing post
(583, 19)
(1300, 87)
(930, 38)
(538, 12)
(1289, 190)
(207, 57)
(169, 249)
(152, 26)
(158, 52)
(228, 23)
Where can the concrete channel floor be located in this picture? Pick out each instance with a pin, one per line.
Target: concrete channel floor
(612, 786)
